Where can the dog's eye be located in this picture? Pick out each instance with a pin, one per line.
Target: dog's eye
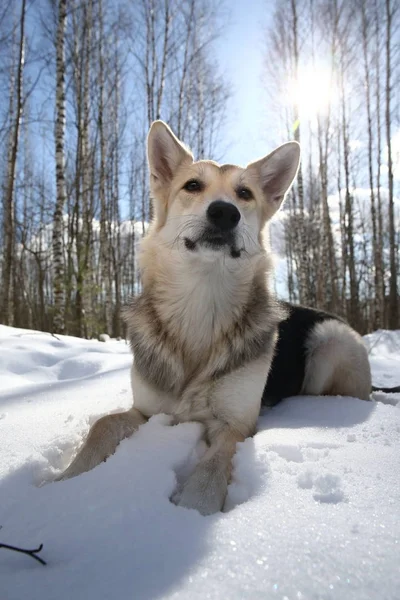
(193, 185)
(244, 193)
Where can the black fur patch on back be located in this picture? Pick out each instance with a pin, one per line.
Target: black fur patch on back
(289, 363)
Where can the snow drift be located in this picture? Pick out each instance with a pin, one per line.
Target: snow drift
(312, 511)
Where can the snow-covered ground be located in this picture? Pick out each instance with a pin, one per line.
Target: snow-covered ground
(314, 506)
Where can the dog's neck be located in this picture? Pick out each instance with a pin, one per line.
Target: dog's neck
(193, 318)
(201, 297)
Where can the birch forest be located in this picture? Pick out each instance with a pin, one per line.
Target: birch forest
(81, 82)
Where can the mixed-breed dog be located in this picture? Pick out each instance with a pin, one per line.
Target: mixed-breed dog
(211, 343)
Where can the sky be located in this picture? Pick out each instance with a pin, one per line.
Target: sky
(240, 55)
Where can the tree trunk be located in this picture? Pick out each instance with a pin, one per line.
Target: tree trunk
(105, 251)
(303, 274)
(393, 316)
(349, 217)
(380, 291)
(377, 307)
(7, 310)
(61, 193)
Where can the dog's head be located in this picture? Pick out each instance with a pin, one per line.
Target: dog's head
(208, 210)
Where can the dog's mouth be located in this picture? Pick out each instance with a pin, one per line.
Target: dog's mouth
(215, 241)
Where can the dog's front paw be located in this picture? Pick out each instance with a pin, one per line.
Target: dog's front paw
(206, 495)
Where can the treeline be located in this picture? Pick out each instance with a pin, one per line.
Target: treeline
(83, 79)
(81, 82)
(333, 76)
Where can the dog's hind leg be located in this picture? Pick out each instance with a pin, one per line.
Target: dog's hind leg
(336, 362)
(102, 441)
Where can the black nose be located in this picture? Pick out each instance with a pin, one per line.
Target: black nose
(223, 215)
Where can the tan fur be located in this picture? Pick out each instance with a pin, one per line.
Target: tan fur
(103, 439)
(204, 327)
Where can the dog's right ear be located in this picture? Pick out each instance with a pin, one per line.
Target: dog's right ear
(165, 154)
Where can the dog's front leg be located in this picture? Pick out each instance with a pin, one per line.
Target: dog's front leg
(102, 441)
(206, 488)
(234, 400)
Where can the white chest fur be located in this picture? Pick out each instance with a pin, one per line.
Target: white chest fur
(204, 296)
(196, 334)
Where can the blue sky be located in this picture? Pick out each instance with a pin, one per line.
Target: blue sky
(241, 51)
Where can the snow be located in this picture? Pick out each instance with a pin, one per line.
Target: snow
(312, 510)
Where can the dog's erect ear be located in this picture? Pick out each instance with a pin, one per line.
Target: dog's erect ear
(276, 173)
(165, 153)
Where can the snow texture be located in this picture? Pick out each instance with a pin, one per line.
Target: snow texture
(312, 511)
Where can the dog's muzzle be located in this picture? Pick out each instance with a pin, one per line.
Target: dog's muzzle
(220, 231)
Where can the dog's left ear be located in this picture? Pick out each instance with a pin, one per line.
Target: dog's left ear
(276, 173)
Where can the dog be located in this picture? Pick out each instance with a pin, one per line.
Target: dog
(204, 328)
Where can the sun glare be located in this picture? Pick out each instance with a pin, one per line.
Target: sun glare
(312, 92)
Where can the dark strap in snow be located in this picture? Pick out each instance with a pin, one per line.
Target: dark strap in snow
(388, 390)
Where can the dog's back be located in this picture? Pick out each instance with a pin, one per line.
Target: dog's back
(317, 353)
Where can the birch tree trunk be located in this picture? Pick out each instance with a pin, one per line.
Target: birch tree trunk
(393, 316)
(303, 272)
(7, 309)
(349, 214)
(377, 306)
(61, 194)
(105, 256)
(87, 179)
(380, 291)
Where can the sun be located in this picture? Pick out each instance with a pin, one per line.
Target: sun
(312, 92)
